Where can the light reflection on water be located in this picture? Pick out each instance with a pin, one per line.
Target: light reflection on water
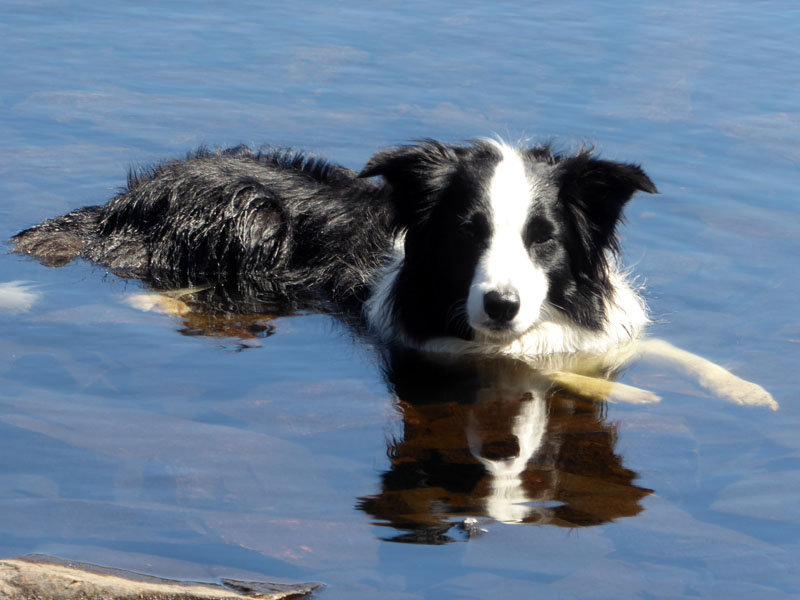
(261, 451)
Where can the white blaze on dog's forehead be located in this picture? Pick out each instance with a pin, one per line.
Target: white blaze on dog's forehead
(507, 265)
(510, 190)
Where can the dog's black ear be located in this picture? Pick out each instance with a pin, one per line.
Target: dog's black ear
(416, 175)
(413, 164)
(599, 189)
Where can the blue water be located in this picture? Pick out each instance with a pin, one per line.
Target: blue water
(287, 456)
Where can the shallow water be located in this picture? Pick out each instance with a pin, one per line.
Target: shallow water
(284, 449)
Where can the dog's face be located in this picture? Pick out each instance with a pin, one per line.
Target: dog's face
(499, 239)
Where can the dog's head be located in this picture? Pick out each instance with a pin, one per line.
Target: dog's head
(498, 239)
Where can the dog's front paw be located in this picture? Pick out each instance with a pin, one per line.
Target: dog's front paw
(631, 395)
(745, 393)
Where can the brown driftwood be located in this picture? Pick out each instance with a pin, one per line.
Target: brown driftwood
(46, 578)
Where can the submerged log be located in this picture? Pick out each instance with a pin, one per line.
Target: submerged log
(39, 577)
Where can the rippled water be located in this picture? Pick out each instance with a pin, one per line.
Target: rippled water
(282, 449)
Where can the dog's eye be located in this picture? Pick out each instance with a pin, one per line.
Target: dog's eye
(538, 231)
(476, 226)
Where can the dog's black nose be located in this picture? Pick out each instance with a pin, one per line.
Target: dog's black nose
(501, 306)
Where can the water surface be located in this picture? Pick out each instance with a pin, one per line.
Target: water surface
(283, 449)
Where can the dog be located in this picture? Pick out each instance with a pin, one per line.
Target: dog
(458, 248)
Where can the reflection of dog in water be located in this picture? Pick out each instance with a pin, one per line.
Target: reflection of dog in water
(493, 438)
(463, 248)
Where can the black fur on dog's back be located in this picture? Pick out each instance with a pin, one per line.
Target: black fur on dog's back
(234, 213)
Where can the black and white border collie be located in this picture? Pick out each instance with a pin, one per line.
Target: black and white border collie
(475, 247)
(458, 249)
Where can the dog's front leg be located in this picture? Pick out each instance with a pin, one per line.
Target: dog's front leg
(599, 389)
(711, 376)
